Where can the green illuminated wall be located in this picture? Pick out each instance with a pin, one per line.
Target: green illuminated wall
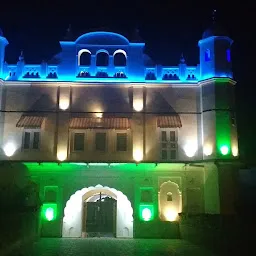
(58, 182)
(224, 101)
(217, 104)
(223, 132)
(53, 167)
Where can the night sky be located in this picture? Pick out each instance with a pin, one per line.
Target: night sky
(167, 28)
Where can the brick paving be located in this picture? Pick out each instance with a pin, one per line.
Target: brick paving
(113, 247)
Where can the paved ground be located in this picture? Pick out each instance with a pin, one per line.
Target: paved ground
(113, 247)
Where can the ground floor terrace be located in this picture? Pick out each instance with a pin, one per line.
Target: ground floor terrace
(123, 200)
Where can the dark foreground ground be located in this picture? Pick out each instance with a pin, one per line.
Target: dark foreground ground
(111, 246)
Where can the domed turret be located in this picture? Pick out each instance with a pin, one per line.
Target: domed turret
(215, 52)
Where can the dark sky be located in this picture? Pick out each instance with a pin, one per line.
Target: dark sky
(167, 27)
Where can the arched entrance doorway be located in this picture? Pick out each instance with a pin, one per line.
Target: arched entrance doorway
(73, 225)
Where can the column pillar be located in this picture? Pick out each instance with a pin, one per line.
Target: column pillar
(63, 124)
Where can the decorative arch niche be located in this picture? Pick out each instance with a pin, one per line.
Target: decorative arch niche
(72, 221)
(170, 201)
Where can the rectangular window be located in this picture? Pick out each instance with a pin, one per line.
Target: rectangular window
(79, 142)
(164, 136)
(228, 55)
(100, 141)
(26, 143)
(172, 136)
(31, 139)
(164, 155)
(207, 55)
(168, 144)
(36, 140)
(146, 196)
(121, 142)
(50, 194)
(173, 154)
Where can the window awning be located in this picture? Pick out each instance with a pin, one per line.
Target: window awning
(104, 123)
(170, 121)
(30, 121)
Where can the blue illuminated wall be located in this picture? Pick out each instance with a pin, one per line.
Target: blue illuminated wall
(65, 65)
(3, 43)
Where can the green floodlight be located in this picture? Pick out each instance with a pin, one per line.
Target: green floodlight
(49, 212)
(224, 150)
(146, 212)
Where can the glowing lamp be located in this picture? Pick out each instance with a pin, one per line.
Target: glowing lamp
(235, 151)
(224, 150)
(138, 105)
(64, 103)
(171, 215)
(98, 111)
(99, 115)
(138, 155)
(207, 150)
(49, 212)
(9, 149)
(146, 212)
(190, 149)
(62, 155)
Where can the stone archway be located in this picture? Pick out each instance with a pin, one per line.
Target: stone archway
(72, 220)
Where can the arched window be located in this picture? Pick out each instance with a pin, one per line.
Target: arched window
(120, 58)
(207, 55)
(85, 59)
(150, 76)
(169, 197)
(102, 59)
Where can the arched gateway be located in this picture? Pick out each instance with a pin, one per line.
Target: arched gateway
(73, 212)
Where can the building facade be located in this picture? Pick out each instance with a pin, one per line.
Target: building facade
(106, 134)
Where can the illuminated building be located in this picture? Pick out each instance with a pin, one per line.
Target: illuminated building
(156, 138)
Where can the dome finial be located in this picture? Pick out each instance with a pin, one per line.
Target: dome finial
(215, 29)
(21, 57)
(182, 59)
(136, 36)
(214, 16)
(69, 34)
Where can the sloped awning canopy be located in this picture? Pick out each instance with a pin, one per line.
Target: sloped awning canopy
(27, 121)
(170, 121)
(103, 123)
